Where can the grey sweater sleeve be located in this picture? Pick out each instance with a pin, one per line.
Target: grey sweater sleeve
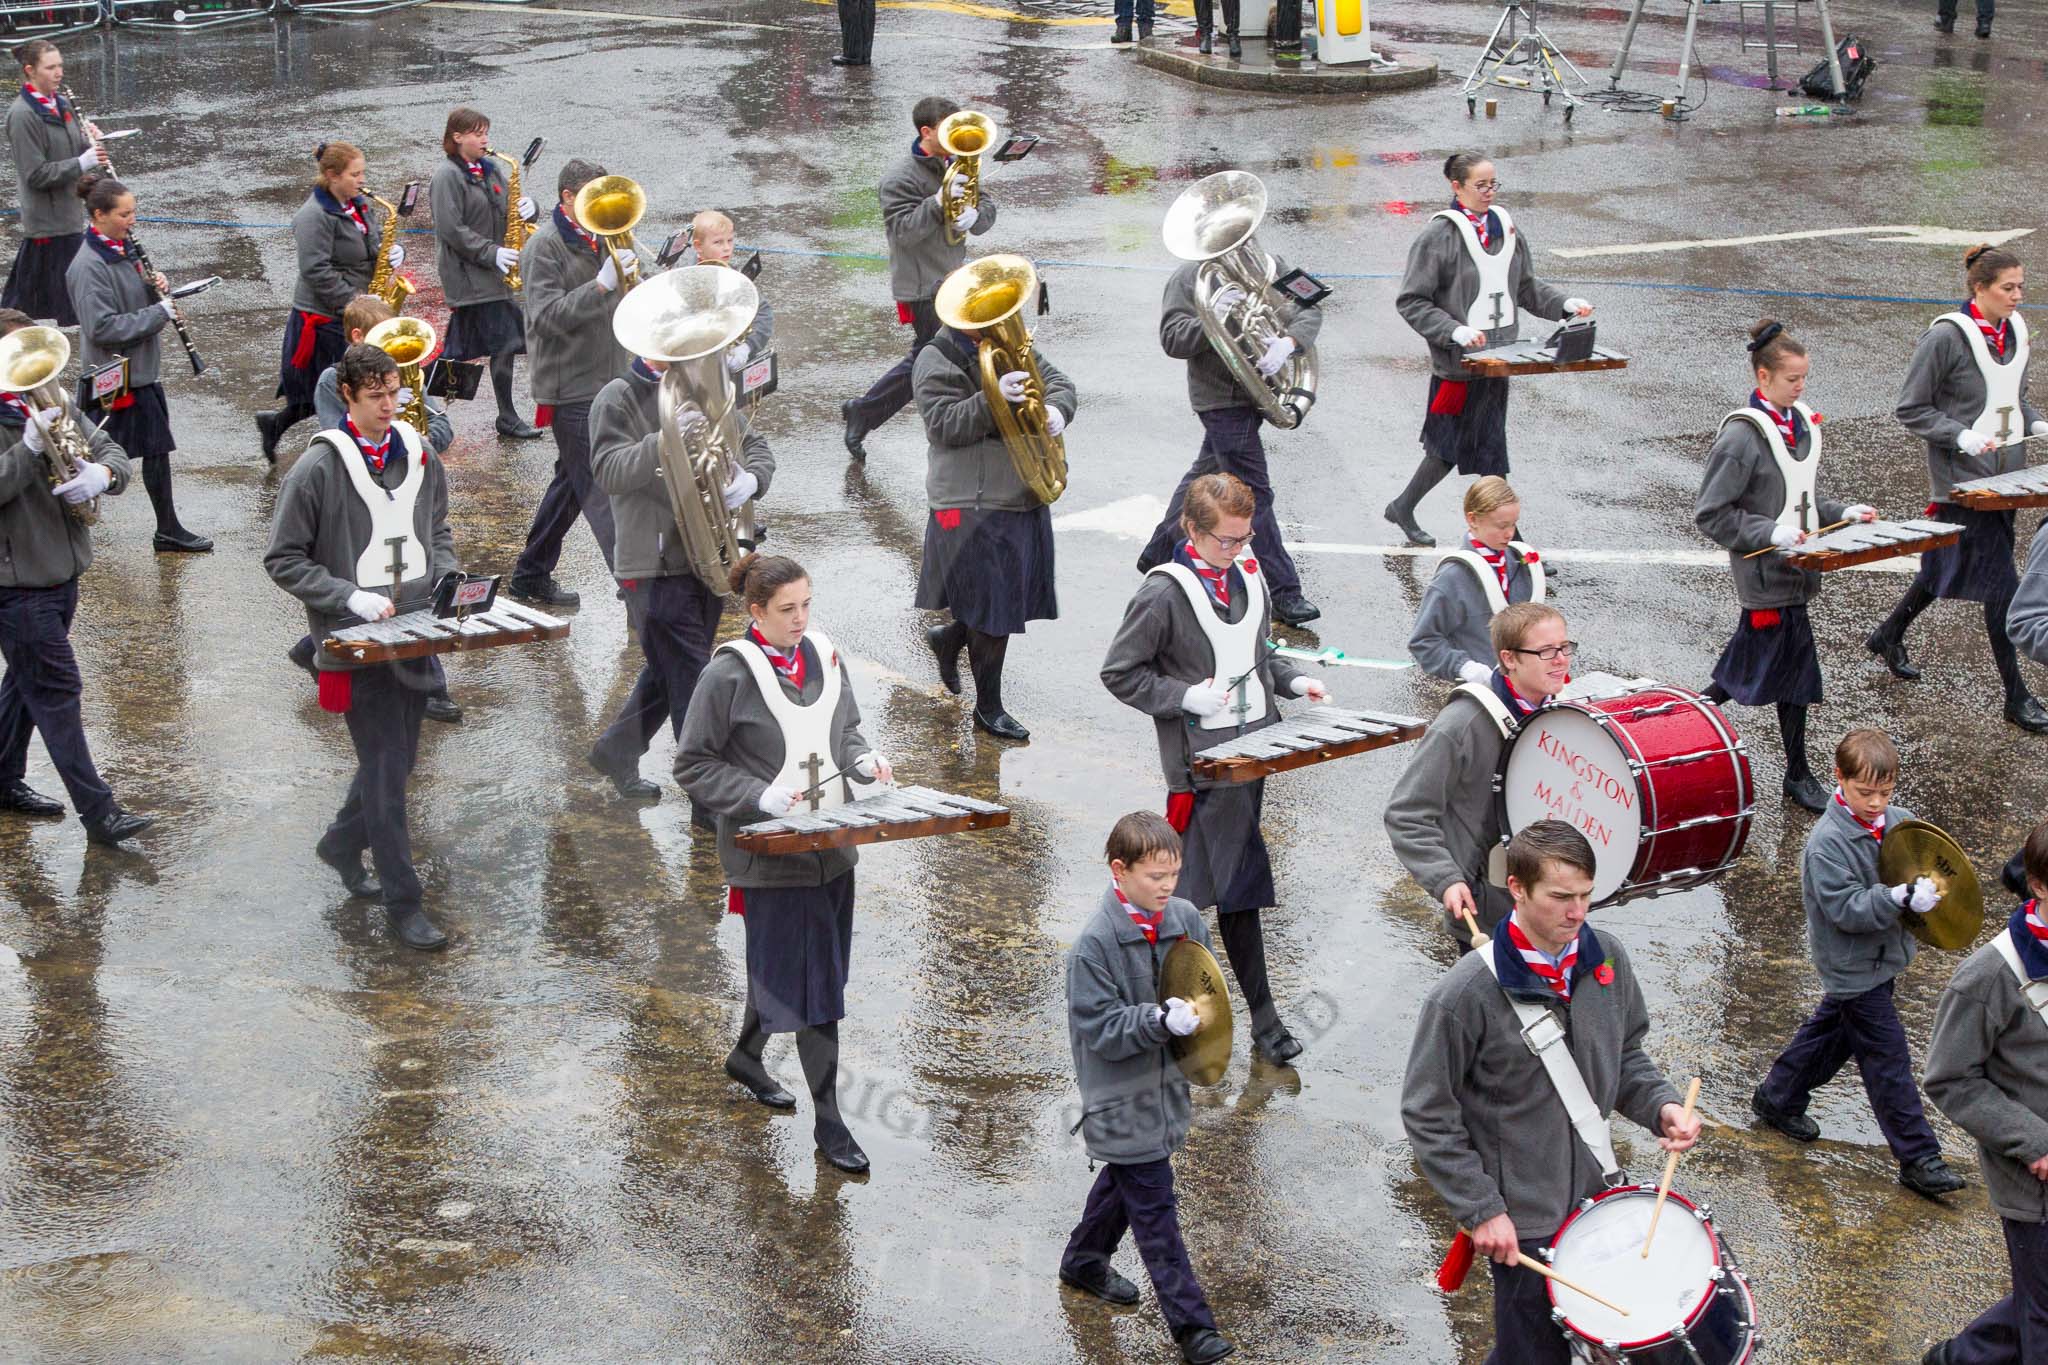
(553, 309)
(450, 232)
(761, 336)
(1438, 622)
(37, 173)
(1966, 1031)
(622, 460)
(848, 743)
(294, 530)
(1731, 469)
(1435, 1122)
(314, 239)
(1107, 1025)
(96, 301)
(1129, 670)
(2026, 621)
(1414, 815)
(1640, 1091)
(1425, 277)
(440, 431)
(328, 409)
(1940, 349)
(1059, 390)
(910, 214)
(106, 452)
(955, 411)
(1180, 327)
(441, 560)
(756, 458)
(700, 765)
(1845, 900)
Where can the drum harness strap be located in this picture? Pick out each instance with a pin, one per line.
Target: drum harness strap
(1544, 1036)
(2036, 992)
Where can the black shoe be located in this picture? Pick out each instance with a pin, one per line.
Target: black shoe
(1104, 1284)
(1002, 725)
(1798, 1127)
(837, 1146)
(116, 825)
(1806, 791)
(1144, 32)
(1280, 1050)
(26, 800)
(267, 431)
(1929, 1176)
(1203, 46)
(517, 428)
(415, 930)
(1200, 1345)
(180, 541)
(1944, 26)
(2028, 715)
(840, 59)
(442, 707)
(1893, 652)
(1292, 609)
(627, 782)
(749, 1072)
(1122, 34)
(1937, 1354)
(1983, 30)
(855, 432)
(359, 880)
(1236, 51)
(949, 660)
(301, 654)
(545, 592)
(1409, 527)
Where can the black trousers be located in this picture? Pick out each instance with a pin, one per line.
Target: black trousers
(1523, 1333)
(1867, 1028)
(387, 702)
(675, 618)
(857, 29)
(40, 692)
(1231, 445)
(892, 391)
(1947, 10)
(573, 490)
(1139, 1199)
(2013, 1331)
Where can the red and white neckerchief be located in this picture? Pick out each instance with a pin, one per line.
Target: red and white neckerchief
(1559, 977)
(1147, 923)
(47, 104)
(1787, 427)
(1497, 560)
(355, 211)
(1478, 222)
(1995, 334)
(2035, 924)
(13, 403)
(1876, 830)
(1217, 580)
(119, 248)
(789, 667)
(475, 168)
(373, 455)
(1522, 703)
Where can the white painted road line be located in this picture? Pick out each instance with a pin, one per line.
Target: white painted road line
(1918, 235)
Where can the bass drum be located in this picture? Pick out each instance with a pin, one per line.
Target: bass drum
(1687, 1302)
(1654, 777)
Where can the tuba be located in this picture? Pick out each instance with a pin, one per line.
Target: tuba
(385, 281)
(963, 136)
(609, 206)
(410, 342)
(1212, 222)
(31, 358)
(988, 296)
(686, 319)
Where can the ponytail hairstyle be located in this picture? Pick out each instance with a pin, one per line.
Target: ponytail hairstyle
(333, 158)
(1213, 497)
(1458, 166)
(1770, 345)
(462, 120)
(101, 193)
(1984, 263)
(757, 577)
(1488, 495)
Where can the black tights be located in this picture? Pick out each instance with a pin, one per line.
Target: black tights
(817, 1048)
(156, 481)
(289, 416)
(1244, 942)
(1791, 729)
(501, 383)
(985, 660)
(1918, 599)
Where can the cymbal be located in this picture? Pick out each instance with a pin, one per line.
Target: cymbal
(1191, 973)
(1913, 849)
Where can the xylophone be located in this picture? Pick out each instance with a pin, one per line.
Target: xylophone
(1316, 735)
(1868, 541)
(2004, 492)
(1535, 355)
(419, 633)
(894, 813)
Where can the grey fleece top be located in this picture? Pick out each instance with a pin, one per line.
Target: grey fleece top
(1987, 1069)
(1454, 624)
(1440, 817)
(1942, 395)
(967, 463)
(41, 546)
(2026, 621)
(115, 315)
(1440, 283)
(336, 258)
(570, 350)
(469, 227)
(920, 257)
(1852, 923)
(46, 169)
(1740, 495)
(1210, 384)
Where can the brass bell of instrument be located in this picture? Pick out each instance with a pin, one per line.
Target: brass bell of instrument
(964, 136)
(410, 342)
(610, 206)
(31, 360)
(988, 296)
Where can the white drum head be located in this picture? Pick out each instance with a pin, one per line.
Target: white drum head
(1564, 766)
(1602, 1249)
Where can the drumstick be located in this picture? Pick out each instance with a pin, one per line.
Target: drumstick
(1528, 1262)
(1821, 532)
(1479, 940)
(1692, 1097)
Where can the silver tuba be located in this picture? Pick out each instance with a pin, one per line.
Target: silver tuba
(1212, 222)
(687, 319)
(31, 359)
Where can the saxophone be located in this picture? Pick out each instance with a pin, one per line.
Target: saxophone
(385, 281)
(517, 229)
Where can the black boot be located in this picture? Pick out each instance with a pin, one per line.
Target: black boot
(274, 425)
(1801, 787)
(171, 535)
(1401, 511)
(1230, 27)
(818, 1049)
(743, 1063)
(415, 930)
(1122, 33)
(946, 642)
(1287, 26)
(2020, 707)
(1715, 693)
(1244, 942)
(266, 434)
(1888, 641)
(985, 659)
(1205, 23)
(510, 423)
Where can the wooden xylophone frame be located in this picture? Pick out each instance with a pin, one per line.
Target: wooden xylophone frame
(845, 826)
(1502, 366)
(1828, 559)
(1983, 495)
(416, 634)
(1211, 767)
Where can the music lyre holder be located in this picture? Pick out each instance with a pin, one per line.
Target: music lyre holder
(1519, 41)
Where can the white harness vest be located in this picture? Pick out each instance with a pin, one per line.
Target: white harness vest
(2001, 416)
(1801, 507)
(1545, 1037)
(1493, 307)
(1489, 583)
(807, 729)
(2036, 992)
(391, 527)
(1496, 711)
(1234, 649)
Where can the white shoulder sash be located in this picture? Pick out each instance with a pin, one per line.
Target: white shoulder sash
(2036, 992)
(1545, 1037)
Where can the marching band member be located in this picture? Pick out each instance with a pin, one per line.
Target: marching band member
(1192, 654)
(52, 148)
(1441, 818)
(1230, 427)
(1489, 1121)
(667, 606)
(47, 552)
(711, 238)
(1134, 1099)
(336, 232)
(1987, 1068)
(779, 691)
(1470, 275)
(1451, 639)
(469, 193)
(1759, 492)
(572, 290)
(1966, 396)
(988, 551)
(920, 258)
(115, 320)
(1859, 947)
(857, 33)
(352, 494)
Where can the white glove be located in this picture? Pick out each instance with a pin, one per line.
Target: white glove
(737, 356)
(2040, 428)
(507, 258)
(528, 210)
(1277, 351)
(608, 274)
(743, 486)
(396, 256)
(1054, 422)
(1227, 298)
(1578, 306)
(1472, 671)
(1181, 1019)
(1203, 699)
(1920, 897)
(369, 605)
(777, 800)
(90, 481)
(89, 160)
(1013, 385)
(968, 215)
(1785, 537)
(1861, 511)
(169, 305)
(1468, 336)
(873, 765)
(1973, 442)
(32, 434)
(404, 399)
(1312, 688)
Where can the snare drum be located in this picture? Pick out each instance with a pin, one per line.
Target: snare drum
(1687, 1302)
(1654, 777)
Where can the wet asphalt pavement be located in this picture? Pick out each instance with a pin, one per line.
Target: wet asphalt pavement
(237, 1121)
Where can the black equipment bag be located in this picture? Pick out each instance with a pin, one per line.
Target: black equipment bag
(1857, 64)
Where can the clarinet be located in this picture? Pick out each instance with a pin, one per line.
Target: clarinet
(155, 295)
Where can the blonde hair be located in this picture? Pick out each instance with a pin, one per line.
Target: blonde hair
(364, 311)
(1489, 494)
(706, 220)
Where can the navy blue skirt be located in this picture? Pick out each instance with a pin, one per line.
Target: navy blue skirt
(36, 283)
(1765, 665)
(993, 570)
(1475, 438)
(1223, 857)
(1977, 568)
(799, 950)
(296, 385)
(141, 429)
(476, 330)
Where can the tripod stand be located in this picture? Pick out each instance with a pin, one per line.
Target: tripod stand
(1511, 46)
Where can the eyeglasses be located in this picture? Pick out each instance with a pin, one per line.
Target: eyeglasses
(1231, 543)
(1491, 185)
(1552, 653)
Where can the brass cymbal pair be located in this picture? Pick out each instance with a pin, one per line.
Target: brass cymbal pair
(1191, 973)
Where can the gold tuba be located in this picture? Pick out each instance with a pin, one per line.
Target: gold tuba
(409, 341)
(31, 358)
(517, 229)
(687, 319)
(963, 136)
(609, 206)
(988, 296)
(1212, 222)
(385, 281)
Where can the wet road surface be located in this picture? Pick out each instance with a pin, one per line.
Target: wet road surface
(237, 1121)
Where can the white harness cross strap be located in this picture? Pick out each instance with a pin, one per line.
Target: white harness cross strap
(1504, 721)
(1493, 307)
(1489, 581)
(2036, 992)
(391, 526)
(2001, 417)
(1544, 1036)
(807, 728)
(1801, 509)
(1234, 647)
